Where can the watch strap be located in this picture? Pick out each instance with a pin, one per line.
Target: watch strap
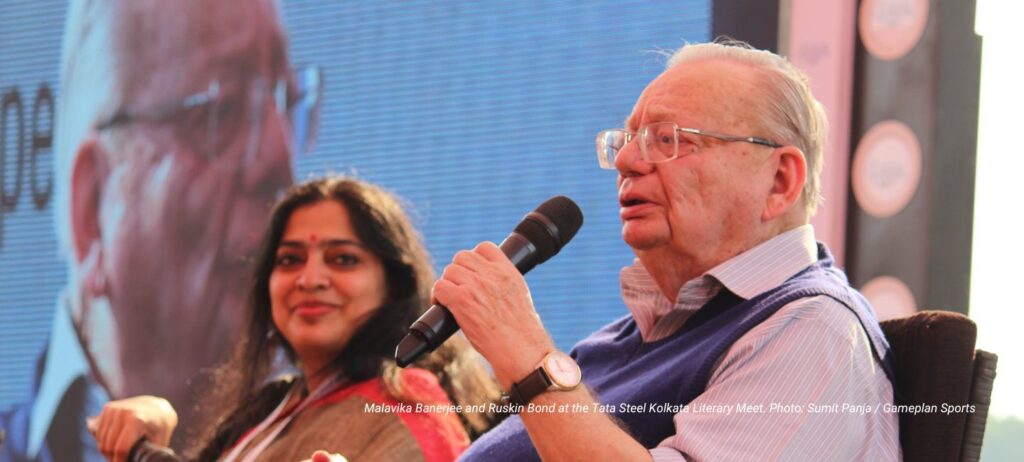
(526, 390)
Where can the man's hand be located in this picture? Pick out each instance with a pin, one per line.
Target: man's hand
(491, 302)
(123, 422)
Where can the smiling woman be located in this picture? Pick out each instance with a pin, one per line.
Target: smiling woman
(341, 273)
(325, 284)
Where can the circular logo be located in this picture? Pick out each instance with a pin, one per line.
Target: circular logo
(886, 168)
(890, 298)
(891, 28)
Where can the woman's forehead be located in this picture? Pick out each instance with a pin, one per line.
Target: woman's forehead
(323, 220)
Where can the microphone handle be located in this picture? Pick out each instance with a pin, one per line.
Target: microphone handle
(437, 323)
(144, 451)
(520, 251)
(435, 326)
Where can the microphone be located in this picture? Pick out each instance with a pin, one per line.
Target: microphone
(538, 237)
(144, 451)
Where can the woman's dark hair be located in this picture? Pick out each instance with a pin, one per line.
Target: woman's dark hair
(244, 394)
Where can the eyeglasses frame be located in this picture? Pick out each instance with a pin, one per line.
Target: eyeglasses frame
(609, 164)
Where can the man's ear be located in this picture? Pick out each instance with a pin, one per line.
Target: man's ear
(788, 182)
(87, 177)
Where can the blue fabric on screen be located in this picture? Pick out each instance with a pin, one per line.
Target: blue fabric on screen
(49, 424)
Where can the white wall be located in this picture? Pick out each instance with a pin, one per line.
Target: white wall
(997, 301)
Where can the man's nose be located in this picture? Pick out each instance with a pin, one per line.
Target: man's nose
(630, 162)
(271, 165)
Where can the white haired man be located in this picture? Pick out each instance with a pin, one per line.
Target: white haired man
(739, 321)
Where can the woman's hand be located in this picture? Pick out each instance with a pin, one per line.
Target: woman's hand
(123, 422)
(324, 456)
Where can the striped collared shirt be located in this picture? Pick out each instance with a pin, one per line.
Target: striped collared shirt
(802, 385)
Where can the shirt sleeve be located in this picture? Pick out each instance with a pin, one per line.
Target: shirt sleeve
(803, 385)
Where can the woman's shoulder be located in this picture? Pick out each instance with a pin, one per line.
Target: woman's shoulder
(420, 386)
(433, 419)
(419, 406)
(409, 386)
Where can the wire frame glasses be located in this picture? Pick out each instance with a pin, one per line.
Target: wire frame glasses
(659, 142)
(210, 120)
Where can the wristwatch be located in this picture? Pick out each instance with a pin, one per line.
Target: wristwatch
(556, 372)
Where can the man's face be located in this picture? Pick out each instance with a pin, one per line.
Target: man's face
(704, 204)
(181, 210)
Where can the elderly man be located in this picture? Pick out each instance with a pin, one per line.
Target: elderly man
(172, 143)
(735, 311)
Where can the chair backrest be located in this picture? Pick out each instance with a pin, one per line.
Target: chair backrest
(981, 397)
(944, 389)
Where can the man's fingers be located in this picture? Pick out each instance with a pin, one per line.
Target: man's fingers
(461, 275)
(448, 293)
(469, 258)
(490, 251)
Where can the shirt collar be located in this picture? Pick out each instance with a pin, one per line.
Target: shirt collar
(748, 274)
(65, 362)
(769, 264)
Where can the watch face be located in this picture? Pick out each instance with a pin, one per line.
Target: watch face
(562, 370)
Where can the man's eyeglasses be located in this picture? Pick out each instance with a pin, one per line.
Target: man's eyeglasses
(211, 119)
(659, 142)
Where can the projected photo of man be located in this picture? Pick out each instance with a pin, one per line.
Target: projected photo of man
(174, 136)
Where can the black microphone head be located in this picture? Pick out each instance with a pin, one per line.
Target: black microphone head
(551, 225)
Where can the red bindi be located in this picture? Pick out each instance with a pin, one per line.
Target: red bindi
(312, 238)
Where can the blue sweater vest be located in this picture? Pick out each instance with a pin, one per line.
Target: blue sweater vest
(620, 368)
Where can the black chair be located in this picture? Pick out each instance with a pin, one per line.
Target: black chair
(938, 370)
